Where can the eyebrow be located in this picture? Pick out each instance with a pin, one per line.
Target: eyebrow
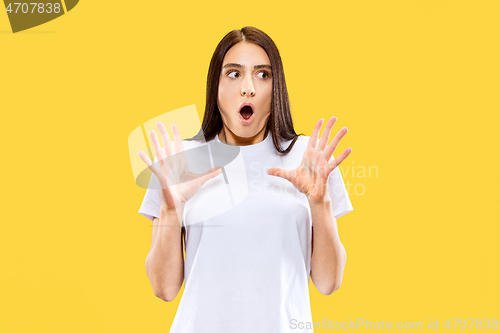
(243, 66)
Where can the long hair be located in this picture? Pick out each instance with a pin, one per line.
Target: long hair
(280, 120)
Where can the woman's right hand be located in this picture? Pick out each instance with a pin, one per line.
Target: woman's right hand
(174, 168)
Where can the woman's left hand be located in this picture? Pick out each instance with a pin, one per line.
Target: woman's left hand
(311, 177)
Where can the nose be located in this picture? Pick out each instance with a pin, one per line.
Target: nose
(245, 92)
(251, 93)
(247, 89)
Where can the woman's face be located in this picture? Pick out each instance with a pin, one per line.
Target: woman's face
(245, 90)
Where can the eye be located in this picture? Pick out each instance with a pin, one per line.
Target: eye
(231, 72)
(265, 75)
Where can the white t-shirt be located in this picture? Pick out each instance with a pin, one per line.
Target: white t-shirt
(247, 263)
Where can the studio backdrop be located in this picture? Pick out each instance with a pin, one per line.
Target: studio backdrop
(416, 82)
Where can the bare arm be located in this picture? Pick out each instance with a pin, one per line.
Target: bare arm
(165, 260)
(328, 254)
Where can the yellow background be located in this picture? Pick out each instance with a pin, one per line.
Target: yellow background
(416, 83)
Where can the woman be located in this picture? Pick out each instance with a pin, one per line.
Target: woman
(249, 258)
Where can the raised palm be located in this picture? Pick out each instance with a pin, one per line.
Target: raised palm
(178, 184)
(311, 176)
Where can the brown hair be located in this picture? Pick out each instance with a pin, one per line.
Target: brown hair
(280, 120)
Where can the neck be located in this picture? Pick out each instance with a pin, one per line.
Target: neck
(225, 135)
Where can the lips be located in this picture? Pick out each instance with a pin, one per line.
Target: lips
(246, 113)
(246, 110)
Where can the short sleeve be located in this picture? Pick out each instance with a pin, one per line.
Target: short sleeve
(341, 203)
(151, 203)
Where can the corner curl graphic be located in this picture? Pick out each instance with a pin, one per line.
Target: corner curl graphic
(26, 15)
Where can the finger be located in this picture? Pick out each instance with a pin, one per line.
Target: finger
(177, 140)
(330, 149)
(159, 153)
(145, 158)
(157, 172)
(314, 135)
(336, 162)
(280, 173)
(210, 174)
(325, 138)
(167, 143)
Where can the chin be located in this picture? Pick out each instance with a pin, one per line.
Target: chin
(245, 131)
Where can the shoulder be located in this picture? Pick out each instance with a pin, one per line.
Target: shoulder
(299, 146)
(294, 157)
(190, 144)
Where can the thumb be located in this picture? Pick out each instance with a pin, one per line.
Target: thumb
(279, 173)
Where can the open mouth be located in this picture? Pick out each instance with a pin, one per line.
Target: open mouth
(246, 112)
